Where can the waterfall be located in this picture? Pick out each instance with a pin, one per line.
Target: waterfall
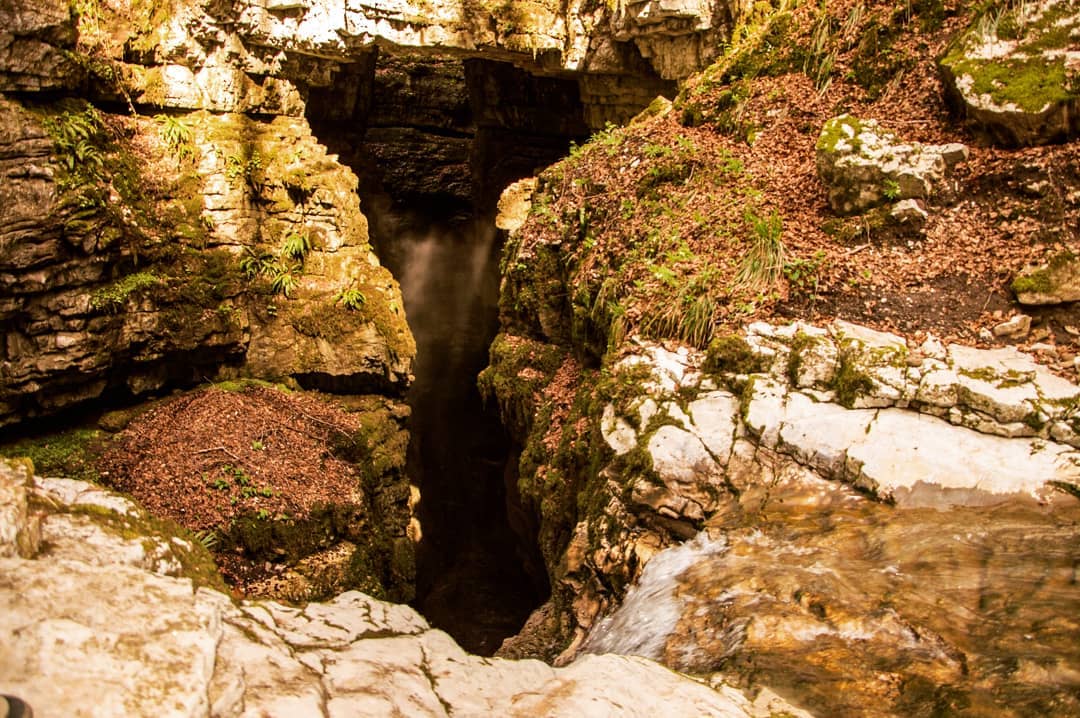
(652, 607)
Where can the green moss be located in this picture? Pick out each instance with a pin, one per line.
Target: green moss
(1031, 84)
(1042, 280)
(276, 537)
(799, 344)
(834, 131)
(1034, 420)
(731, 354)
(378, 447)
(850, 382)
(70, 454)
(1028, 78)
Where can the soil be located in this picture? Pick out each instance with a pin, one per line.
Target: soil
(206, 457)
(998, 211)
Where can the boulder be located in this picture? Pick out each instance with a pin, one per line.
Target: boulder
(1013, 73)
(1056, 282)
(864, 166)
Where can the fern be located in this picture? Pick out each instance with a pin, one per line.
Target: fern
(351, 298)
(282, 280)
(296, 246)
(177, 137)
(253, 265)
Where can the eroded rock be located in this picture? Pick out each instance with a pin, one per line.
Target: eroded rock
(1056, 282)
(132, 641)
(864, 165)
(1013, 72)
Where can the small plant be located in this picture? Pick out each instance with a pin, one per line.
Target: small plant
(77, 133)
(245, 167)
(764, 261)
(280, 272)
(254, 264)
(282, 279)
(177, 137)
(262, 514)
(220, 484)
(257, 445)
(891, 190)
(352, 298)
(986, 27)
(296, 246)
(207, 538)
(802, 274)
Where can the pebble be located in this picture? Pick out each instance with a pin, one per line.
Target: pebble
(1016, 328)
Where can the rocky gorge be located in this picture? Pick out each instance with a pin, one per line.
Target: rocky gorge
(779, 325)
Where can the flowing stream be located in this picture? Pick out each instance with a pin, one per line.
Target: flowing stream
(471, 580)
(853, 608)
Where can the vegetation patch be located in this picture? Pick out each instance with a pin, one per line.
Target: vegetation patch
(732, 355)
(71, 454)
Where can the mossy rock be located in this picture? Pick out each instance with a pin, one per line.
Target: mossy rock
(1055, 282)
(1008, 72)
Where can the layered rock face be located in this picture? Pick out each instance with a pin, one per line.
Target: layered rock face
(103, 617)
(142, 251)
(762, 443)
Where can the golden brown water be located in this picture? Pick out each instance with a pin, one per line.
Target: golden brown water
(849, 607)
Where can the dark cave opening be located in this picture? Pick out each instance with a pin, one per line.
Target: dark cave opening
(434, 140)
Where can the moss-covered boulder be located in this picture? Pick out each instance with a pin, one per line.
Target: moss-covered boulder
(863, 165)
(1056, 282)
(1013, 72)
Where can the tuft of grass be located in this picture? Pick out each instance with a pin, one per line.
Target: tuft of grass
(763, 264)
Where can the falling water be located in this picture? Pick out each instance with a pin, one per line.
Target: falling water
(855, 608)
(652, 608)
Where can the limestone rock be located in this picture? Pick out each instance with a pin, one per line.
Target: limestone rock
(864, 166)
(1056, 282)
(1015, 328)
(76, 320)
(1013, 74)
(101, 631)
(34, 36)
(514, 204)
(908, 211)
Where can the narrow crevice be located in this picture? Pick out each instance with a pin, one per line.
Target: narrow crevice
(434, 140)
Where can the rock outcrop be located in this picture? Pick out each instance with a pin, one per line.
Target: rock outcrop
(762, 439)
(1014, 72)
(103, 618)
(864, 166)
(1055, 282)
(686, 435)
(140, 251)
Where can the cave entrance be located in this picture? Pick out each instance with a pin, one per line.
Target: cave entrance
(434, 139)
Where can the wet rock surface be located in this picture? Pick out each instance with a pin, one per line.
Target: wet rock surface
(815, 432)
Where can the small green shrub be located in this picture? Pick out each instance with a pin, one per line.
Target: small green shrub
(78, 134)
(352, 298)
(177, 137)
